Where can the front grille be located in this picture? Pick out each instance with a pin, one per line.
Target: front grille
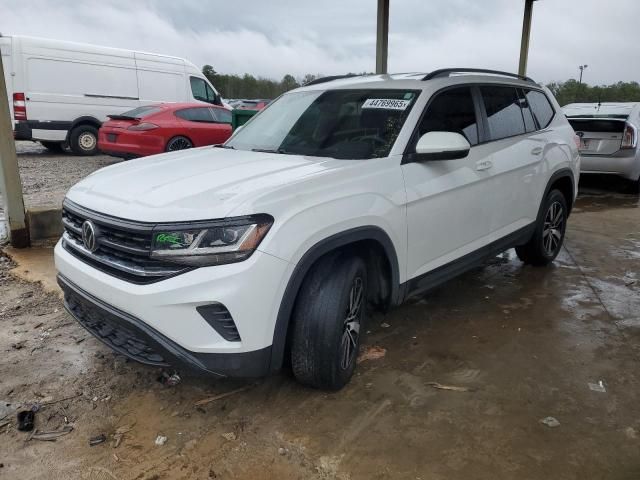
(123, 247)
(109, 328)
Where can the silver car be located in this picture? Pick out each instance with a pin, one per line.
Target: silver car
(608, 138)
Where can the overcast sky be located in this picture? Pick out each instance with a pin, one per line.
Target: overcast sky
(273, 37)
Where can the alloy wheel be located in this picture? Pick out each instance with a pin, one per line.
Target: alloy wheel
(553, 228)
(351, 328)
(179, 144)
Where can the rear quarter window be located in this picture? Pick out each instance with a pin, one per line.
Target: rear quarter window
(541, 107)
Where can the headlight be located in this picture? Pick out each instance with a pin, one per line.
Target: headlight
(211, 243)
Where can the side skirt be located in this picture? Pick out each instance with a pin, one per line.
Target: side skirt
(440, 275)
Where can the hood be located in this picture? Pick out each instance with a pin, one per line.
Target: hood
(199, 184)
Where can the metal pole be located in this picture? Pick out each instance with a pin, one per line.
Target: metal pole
(382, 36)
(526, 34)
(10, 183)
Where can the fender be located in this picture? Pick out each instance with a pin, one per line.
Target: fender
(304, 265)
(562, 173)
(87, 119)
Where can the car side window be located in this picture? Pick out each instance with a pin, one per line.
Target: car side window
(541, 107)
(221, 115)
(452, 111)
(527, 114)
(503, 111)
(202, 114)
(202, 91)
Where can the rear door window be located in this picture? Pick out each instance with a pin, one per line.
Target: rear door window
(504, 113)
(196, 114)
(452, 111)
(541, 107)
(221, 115)
(527, 114)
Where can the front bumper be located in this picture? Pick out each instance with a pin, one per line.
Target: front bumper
(133, 338)
(164, 314)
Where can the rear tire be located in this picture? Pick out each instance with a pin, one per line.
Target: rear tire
(53, 147)
(328, 321)
(84, 140)
(178, 143)
(547, 239)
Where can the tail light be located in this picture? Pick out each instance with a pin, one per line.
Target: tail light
(576, 140)
(629, 137)
(19, 107)
(143, 126)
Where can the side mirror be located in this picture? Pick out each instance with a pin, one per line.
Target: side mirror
(441, 146)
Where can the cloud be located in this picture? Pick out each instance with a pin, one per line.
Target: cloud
(278, 37)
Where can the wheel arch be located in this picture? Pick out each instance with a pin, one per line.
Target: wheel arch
(562, 180)
(84, 120)
(371, 241)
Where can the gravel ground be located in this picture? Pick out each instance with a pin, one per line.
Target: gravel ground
(46, 176)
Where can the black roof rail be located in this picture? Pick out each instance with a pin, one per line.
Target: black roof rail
(329, 79)
(445, 72)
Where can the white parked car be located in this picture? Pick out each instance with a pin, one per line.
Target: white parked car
(608, 138)
(61, 92)
(341, 196)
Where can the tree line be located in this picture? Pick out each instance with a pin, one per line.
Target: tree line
(248, 86)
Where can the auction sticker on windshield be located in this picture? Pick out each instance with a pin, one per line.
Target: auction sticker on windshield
(386, 103)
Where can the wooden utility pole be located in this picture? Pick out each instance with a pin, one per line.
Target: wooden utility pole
(526, 34)
(382, 36)
(10, 183)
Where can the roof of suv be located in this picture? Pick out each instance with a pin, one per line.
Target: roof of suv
(418, 80)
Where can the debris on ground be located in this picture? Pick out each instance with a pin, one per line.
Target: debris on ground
(51, 436)
(550, 422)
(97, 440)
(26, 420)
(119, 434)
(229, 436)
(205, 401)
(598, 387)
(371, 353)
(453, 388)
(385, 325)
(169, 379)
(161, 440)
(282, 451)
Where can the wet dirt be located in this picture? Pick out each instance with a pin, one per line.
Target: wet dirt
(524, 343)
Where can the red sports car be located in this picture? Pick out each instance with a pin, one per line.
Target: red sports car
(164, 127)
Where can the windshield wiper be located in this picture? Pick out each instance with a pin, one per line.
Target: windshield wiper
(220, 145)
(269, 150)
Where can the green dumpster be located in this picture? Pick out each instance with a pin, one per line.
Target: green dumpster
(240, 117)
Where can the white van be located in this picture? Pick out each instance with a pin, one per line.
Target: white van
(61, 92)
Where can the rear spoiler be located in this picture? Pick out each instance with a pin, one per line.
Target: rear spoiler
(123, 117)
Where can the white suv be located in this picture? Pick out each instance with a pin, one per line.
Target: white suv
(344, 195)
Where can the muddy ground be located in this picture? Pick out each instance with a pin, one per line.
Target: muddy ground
(523, 342)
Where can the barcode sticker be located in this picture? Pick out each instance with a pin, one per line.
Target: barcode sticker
(386, 103)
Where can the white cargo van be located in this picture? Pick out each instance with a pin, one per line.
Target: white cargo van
(61, 92)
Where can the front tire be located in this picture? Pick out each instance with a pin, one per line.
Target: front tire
(547, 239)
(84, 140)
(328, 319)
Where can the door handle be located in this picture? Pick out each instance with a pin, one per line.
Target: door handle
(484, 164)
(536, 151)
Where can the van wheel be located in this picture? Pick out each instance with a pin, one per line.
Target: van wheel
(328, 320)
(178, 143)
(546, 242)
(53, 147)
(84, 140)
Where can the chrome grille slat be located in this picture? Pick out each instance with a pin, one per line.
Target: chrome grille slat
(123, 247)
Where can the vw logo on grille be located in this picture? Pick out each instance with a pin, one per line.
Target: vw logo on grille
(89, 236)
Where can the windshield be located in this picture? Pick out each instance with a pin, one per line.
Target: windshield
(349, 124)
